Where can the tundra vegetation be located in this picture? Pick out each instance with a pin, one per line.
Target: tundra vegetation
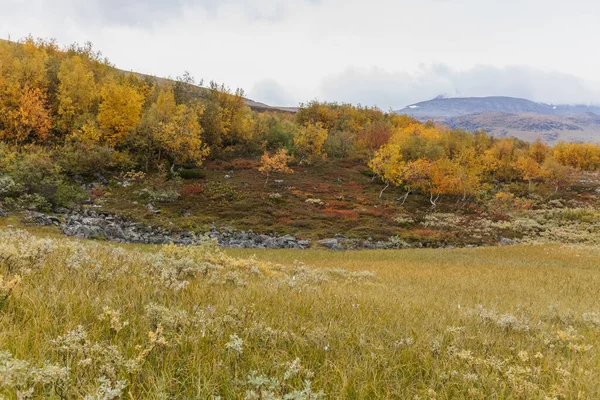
(97, 320)
(103, 321)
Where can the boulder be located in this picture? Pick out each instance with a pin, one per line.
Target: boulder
(85, 232)
(304, 244)
(331, 244)
(38, 218)
(114, 231)
(3, 214)
(151, 208)
(506, 241)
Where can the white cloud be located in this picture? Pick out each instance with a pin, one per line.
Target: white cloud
(375, 86)
(270, 92)
(367, 52)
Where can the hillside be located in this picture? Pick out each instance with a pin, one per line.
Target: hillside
(530, 126)
(80, 138)
(508, 116)
(201, 92)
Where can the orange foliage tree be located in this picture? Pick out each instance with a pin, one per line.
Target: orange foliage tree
(277, 163)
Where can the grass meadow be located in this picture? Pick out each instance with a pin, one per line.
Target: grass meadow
(94, 320)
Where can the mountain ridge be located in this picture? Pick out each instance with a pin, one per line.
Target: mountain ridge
(457, 106)
(504, 116)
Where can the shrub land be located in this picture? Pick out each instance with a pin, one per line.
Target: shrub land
(100, 321)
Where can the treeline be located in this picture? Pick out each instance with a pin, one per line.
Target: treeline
(68, 111)
(74, 99)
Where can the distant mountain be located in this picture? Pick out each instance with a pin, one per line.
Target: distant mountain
(509, 116)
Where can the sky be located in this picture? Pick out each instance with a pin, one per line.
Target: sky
(385, 53)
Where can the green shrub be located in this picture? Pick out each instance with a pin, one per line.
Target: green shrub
(69, 194)
(195, 173)
(8, 187)
(218, 190)
(32, 202)
(158, 196)
(340, 144)
(36, 172)
(84, 159)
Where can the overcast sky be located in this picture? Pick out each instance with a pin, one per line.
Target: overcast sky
(388, 53)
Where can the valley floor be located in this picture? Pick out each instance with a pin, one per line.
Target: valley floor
(105, 320)
(335, 197)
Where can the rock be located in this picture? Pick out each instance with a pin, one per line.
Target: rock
(186, 214)
(227, 176)
(114, 231)
(151, 208)
(85, 232)
(304, 244)
(339, 236)
(100, 179)
(278, 181)
(3, 214)
(331, 244)
(505, 241)
(38, 218)
(271, 243)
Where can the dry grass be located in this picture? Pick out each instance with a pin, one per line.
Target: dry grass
(504, 322)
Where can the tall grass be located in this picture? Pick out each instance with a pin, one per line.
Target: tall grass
(107, 321)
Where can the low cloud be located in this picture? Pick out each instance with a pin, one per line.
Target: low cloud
(271, 92)
(149, 13)
(376, 86)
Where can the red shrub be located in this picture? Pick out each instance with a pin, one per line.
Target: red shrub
(189, 190)
(348, 215)
(322, 188)
(424, 232)
(245, 164)
(338, 204)
(96, 193)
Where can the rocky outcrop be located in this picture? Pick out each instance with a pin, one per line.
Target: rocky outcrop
(95, 225)
(38, 218)
(89, 224)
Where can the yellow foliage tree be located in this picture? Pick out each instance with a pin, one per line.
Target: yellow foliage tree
(389, 166)
(554, 173)
(181, 137)
(530, 168)
(119, 112)
(76, 92)
(276, 163)
(227, 120)
(310, 139)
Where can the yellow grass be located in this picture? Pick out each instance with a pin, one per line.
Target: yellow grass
(502, 322)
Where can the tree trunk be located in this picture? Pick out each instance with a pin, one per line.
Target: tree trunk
(432, 200)
(266, 180)
(405, 197)
(382, 190)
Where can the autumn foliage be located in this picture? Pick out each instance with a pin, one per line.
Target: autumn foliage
(73, 103)
(277, 163)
